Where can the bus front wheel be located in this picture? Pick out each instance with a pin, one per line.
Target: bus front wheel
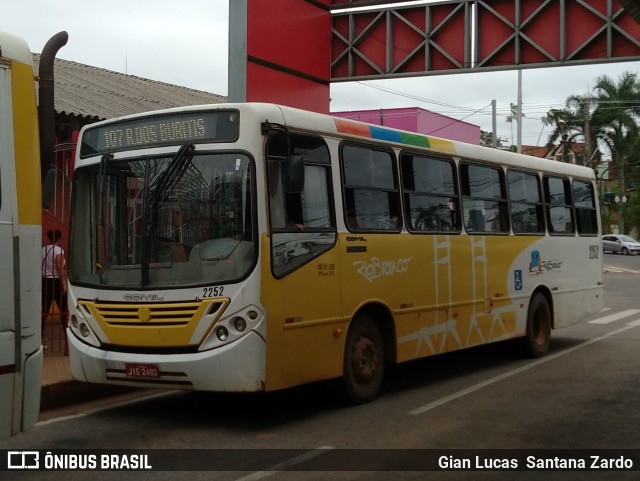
(363, 360)
(538, 337)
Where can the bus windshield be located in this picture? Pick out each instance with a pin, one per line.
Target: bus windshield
(165, 221)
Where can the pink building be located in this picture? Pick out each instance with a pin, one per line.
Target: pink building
(415, 119)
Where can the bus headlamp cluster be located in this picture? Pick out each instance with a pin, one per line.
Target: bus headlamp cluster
(234, 326)
(239, 324)
(79, 325)
(222, 333)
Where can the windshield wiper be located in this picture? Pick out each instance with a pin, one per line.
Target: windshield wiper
(102, 175)
(171, 177)
(168, 180)
(101, 229)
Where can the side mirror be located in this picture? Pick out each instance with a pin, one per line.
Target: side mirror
(295, 174)
(48, 188)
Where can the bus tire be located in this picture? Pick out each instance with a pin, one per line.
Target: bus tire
(538, 336)
(363, 365)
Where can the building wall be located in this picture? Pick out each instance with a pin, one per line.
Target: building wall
(414, 119)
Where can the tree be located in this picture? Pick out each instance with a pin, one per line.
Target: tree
(615, 116)
(486, 140)
(571, 124)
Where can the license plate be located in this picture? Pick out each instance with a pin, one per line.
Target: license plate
(142, 370)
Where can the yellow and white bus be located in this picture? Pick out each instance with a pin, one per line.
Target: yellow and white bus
(254, 247)
(21, 229)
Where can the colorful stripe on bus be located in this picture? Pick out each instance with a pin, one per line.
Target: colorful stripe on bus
(388, 135)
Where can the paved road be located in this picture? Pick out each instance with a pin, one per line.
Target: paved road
(584, 395)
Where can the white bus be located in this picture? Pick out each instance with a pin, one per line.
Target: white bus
(254, 247)
(21, 229)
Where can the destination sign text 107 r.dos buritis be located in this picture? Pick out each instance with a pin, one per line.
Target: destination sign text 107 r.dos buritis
(217, 126)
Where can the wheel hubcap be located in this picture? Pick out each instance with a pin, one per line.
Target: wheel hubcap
(539, 330)
(364, 360)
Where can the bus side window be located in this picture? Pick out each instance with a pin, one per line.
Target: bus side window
(276, 153)
(302, 223)
(476, 221)
(484, 198)
(559, 205)
(430, 193)
(372, 197)
(586, 215)
(525, 197)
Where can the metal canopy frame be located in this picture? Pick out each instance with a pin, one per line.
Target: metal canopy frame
(477, 35)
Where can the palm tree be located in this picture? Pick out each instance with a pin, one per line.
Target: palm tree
(570, 124)
(616, 115)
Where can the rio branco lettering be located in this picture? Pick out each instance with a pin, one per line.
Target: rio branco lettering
(377, 268)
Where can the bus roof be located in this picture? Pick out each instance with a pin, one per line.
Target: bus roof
(344, 128)
(14, 48)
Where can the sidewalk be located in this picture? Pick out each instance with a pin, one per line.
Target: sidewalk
(58, 387)
(55, 369)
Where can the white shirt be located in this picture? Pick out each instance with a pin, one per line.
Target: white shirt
(49, 253)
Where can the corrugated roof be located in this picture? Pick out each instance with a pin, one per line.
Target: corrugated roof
(100, 94)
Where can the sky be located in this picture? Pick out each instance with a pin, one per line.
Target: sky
(186, 43)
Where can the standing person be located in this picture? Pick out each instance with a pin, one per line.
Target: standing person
(54, 277)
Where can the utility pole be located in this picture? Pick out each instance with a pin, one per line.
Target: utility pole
(587, 133)
(494, 126)
(519, 112)
(623, 198)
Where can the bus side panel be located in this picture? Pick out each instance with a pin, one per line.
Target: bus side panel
(7, 381)
(27, 146)
(397, 273)
(32, 384)
(446, 292)
(20, 241)
(561, 265)
(28, 231)
(306, 332)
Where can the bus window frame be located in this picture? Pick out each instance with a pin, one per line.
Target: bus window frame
(566, 180)
(396, 183)
(540, 203)
(331, 205)
(136, 155)
(504, 199)
(457, 228)
(593, 209)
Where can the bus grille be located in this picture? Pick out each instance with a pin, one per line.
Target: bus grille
(151, 315)
(159, 325)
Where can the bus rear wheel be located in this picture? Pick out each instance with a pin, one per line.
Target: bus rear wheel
(363, 367)
(538, 336)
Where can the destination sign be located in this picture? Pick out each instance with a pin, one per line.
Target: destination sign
(174, 129)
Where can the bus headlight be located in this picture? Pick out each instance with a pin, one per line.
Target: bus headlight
(84, 330)
(222, 333)
(240, 324)
(74, 321)
(233, 327)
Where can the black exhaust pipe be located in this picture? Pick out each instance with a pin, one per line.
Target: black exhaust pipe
(46, 110)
